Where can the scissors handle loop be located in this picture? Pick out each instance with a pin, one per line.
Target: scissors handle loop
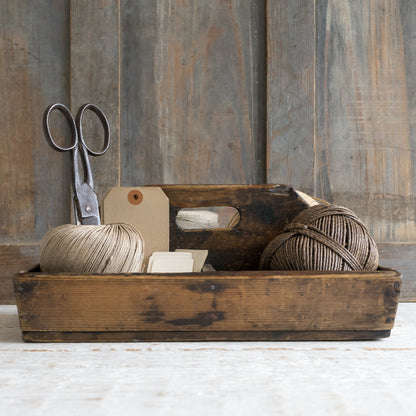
(74, 134)
(104, 123)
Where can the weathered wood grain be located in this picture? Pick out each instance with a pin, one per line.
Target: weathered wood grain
(404, 255)
(363, 152)
(290, 93)
(95, 78)
(408, 19)
(15, 258)
(219, 301)
(344, 65)
(401, 257)
(193, 88)
(34, 61)
(341, 112)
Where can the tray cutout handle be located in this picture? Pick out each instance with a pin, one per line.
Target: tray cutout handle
(207, 218)
(263, 210)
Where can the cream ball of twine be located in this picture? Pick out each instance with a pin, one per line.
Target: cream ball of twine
(109, 248)
(322, 237)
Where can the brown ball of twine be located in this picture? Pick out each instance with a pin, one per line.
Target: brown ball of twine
(322, 237)
(110, 248)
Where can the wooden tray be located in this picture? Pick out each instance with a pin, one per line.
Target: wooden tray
(230, 304)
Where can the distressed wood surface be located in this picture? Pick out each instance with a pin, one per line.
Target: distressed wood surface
(95, 78)
(34, 62)
(403, 256)
(364, 154)
(219, 301)
(362, 145)
(291, 93)
(408, 18)
(193, 86)
(15, 258)
(343, 65)
(340, 112)
(34, 72)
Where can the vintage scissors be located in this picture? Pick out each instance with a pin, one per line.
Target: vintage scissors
(85, 199)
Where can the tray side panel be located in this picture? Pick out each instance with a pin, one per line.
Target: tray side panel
(264, 211)
(260, 301)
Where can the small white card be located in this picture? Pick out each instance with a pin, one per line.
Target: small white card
(170, 262)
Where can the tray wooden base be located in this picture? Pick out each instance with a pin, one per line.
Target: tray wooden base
(171, 336)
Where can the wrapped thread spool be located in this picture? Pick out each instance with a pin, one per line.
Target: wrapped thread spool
(322, 237)
(189, 219)
(111, 248)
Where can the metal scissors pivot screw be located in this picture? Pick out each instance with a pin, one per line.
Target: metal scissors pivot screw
(85, 199)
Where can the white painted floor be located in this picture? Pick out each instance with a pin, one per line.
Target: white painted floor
(257, 378)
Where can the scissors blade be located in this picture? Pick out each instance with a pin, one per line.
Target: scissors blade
(90, 221)
(87, 205)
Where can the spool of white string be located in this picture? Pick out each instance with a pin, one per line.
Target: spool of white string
(110, 248)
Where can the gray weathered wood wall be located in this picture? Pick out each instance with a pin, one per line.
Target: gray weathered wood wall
(316, 94)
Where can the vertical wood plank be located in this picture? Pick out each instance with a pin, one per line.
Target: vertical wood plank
(13, 259)
(408, 18)
(193, 91)
(363, 152)
(361, 148)
(95, 39)
(401, 256)
(290, 93)
(34, 61)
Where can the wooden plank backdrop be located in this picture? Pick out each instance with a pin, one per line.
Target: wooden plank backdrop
(339, 125)
(34, 71)
(193, 91)
(315, 94)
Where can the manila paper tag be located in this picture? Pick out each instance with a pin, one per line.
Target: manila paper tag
(146, 208)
